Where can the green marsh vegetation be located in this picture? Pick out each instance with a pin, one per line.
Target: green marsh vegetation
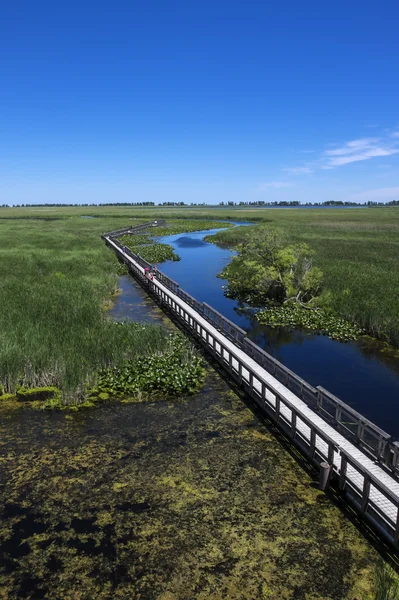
(357, 251)
(386, 582)
(356, 248)
(149, 249)
(57, 279)
(156, 252)
(266, 271)
(176, 370)
(320, 321)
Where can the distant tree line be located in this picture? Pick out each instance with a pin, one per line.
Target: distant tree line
(226, 204)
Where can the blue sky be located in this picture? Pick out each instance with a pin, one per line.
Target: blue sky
(199, 101)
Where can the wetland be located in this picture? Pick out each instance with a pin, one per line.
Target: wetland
(169, 496)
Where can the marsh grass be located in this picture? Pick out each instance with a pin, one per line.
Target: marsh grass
(55, 279)
(386, 582)
(357, 250)
(230, 238)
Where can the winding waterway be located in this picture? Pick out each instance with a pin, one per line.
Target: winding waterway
(359, 373)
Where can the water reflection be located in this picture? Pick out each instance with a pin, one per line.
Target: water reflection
(134, 304)
(270, 338)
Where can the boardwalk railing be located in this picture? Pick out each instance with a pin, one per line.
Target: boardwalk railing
(301, 411)
(134, 228)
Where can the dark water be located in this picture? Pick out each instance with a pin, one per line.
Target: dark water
(133, 303)
(357, 372)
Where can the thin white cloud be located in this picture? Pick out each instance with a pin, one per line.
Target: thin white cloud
(299, 170)
(350, 147)
(274, 185)
(361, 149)
(338, 161)
(358, 150)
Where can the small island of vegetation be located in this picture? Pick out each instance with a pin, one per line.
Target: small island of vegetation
(268, 272)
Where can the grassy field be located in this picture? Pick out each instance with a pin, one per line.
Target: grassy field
(57, 280)
(356, 248)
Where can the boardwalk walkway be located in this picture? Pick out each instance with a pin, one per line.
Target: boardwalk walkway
(367, 485)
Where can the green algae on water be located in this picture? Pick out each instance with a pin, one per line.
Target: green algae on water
(195, 499)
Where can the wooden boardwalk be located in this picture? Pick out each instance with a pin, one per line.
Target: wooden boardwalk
(372, 491)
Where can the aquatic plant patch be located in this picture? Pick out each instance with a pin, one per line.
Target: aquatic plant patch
(41, 393)
(153, 252)
(316, 320)
(175, 371)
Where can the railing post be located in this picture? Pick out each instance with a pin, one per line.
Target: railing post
(394, 456)
(331, 454)
(381, 449)
(342, 473)
(312, 442)
(396, 534)
(366, 492)
(293, 423)
(359, 432)
(263, 392)
(277, 406)
(319, 402)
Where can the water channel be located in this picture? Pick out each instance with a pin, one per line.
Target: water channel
(360, 373)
